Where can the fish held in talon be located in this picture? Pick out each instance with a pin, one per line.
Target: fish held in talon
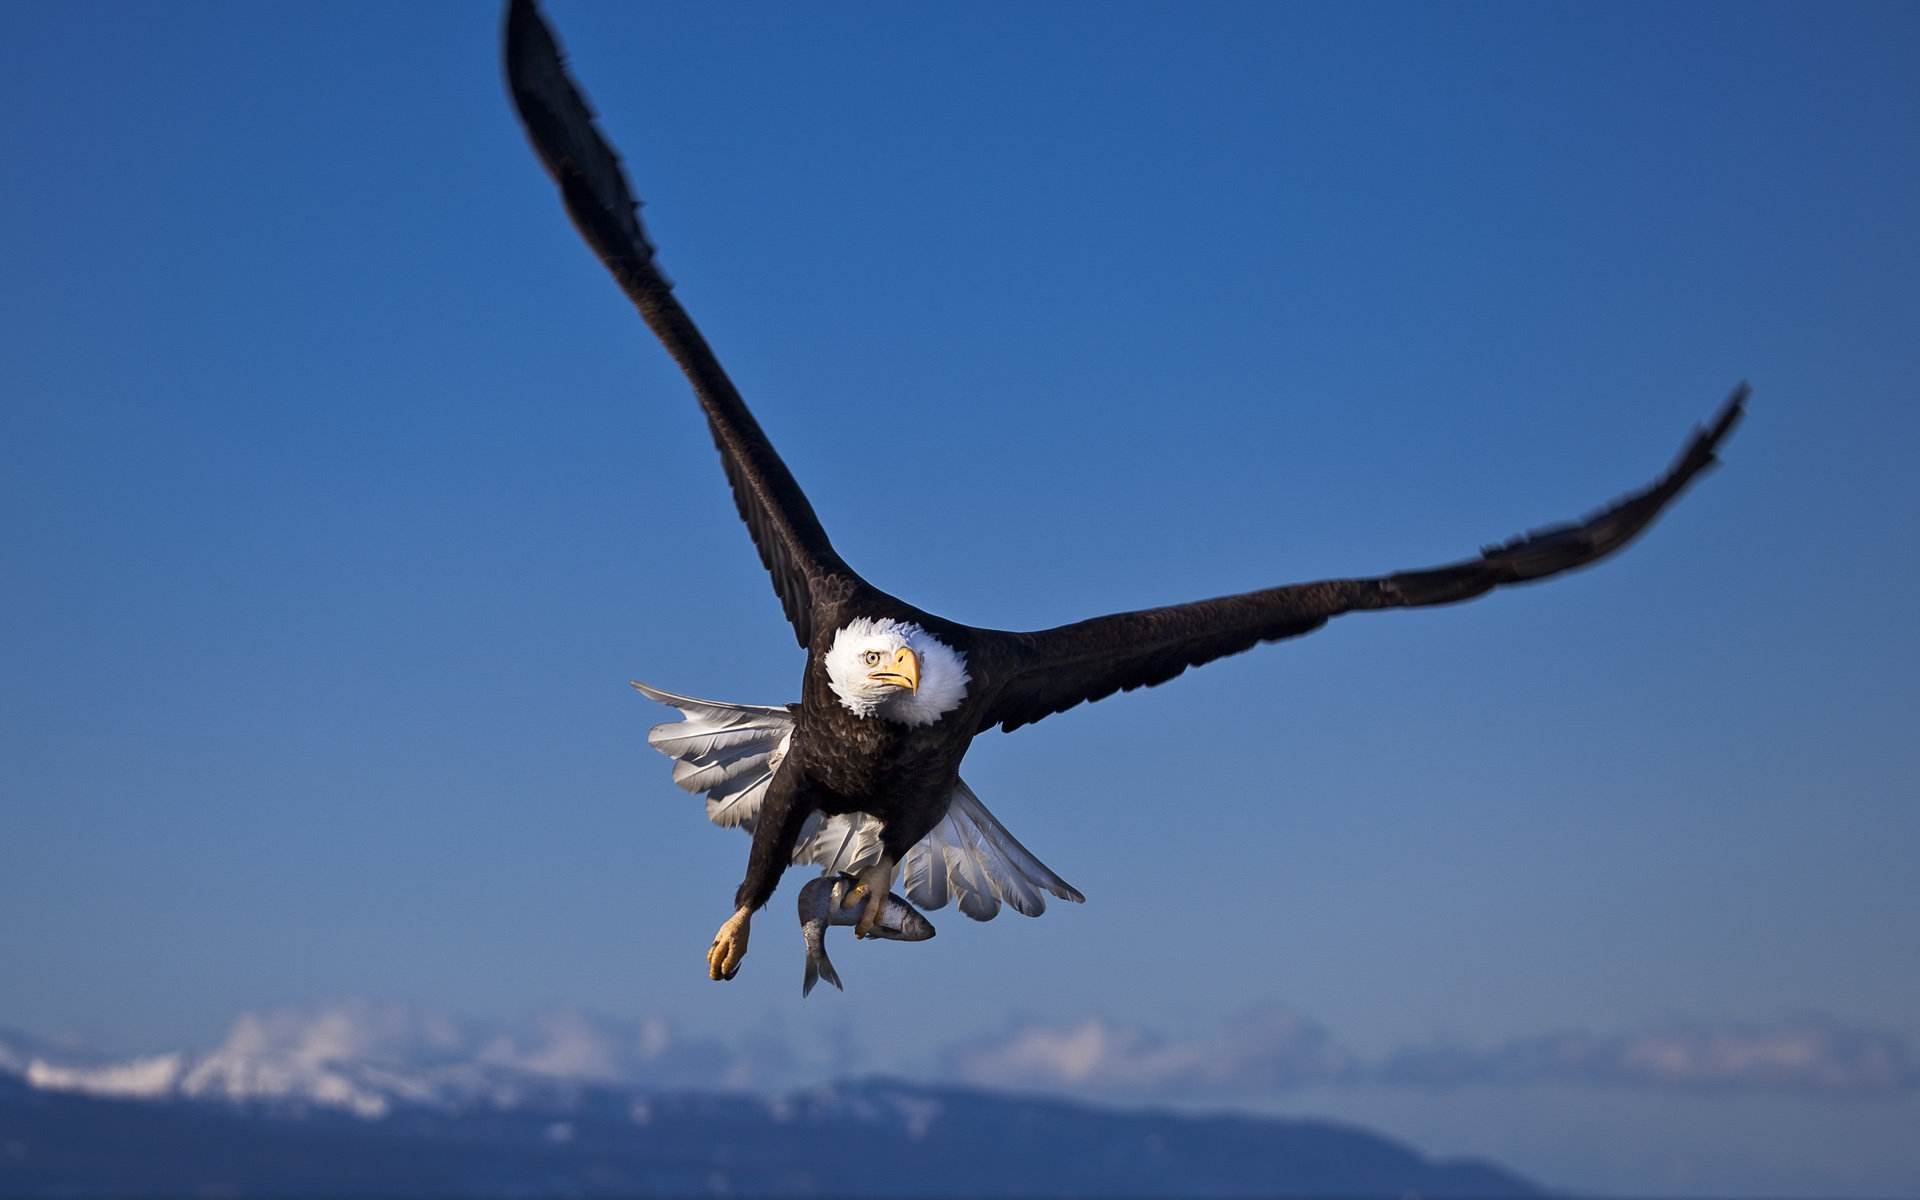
(824, 903)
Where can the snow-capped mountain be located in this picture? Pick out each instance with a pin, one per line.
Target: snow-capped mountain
(864, 1138)
(362, 1100)
(369, 1060)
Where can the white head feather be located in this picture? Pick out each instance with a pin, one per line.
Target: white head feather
(943, 672)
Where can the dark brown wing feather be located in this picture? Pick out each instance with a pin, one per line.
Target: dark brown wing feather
(1053, 670)
(792, 544)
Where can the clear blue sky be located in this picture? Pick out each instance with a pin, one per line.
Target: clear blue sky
(342, 493)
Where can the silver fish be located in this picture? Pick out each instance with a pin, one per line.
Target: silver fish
(820, 906)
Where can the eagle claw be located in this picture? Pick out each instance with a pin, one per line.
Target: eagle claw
(729, 947)
(874, 884)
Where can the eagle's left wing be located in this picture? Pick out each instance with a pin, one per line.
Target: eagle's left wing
(1033, 675)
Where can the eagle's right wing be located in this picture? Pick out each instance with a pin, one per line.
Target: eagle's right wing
(1033, 675)
(791, 541)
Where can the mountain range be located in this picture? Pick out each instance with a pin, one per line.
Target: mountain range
(370, 1103)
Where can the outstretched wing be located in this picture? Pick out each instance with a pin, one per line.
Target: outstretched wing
(792, 544)
(730, 752)
(1053, 670)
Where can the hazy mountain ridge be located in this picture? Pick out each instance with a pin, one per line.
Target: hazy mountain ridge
(269, 1113)
(866, 1137)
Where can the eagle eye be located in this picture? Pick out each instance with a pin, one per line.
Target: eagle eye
(873, 658)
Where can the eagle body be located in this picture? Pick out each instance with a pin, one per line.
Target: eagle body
(841, 762)
(862, 775)
(850, 763)
(846, 764)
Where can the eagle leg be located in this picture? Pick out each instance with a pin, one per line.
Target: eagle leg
(729, 946)
(875, 882)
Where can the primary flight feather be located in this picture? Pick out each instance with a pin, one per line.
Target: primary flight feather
(862, 775)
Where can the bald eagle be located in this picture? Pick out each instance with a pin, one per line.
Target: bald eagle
(863, 774)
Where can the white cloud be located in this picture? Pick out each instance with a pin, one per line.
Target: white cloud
(1264, 1049)
(648, 1052)
(346, 1030)
(1271, 1050)
(1807, 1054)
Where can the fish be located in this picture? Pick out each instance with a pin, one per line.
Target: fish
(821, 905)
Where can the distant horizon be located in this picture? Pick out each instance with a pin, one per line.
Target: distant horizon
(1273, 1064)
(339, 1131)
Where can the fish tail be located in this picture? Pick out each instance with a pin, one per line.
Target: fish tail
(820, 967)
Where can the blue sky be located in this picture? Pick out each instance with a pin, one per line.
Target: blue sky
(343, 493)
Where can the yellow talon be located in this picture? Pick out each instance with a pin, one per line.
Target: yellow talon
(875, 882)
(729, 946)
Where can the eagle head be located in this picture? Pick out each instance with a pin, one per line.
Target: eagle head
(896, 671)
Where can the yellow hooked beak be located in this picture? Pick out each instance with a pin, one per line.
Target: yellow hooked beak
(903, 672)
